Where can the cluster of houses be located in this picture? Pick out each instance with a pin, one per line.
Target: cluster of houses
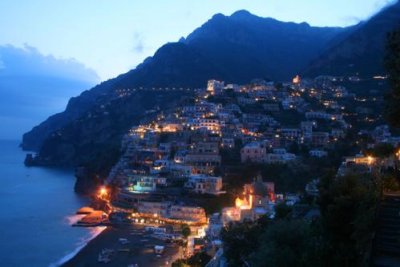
(176, 154)
(180, 149)
(364, 164)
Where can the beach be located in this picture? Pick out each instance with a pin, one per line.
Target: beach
(139, 250)
(38, 207)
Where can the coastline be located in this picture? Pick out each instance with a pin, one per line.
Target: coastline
(95, 233)
(138, 251)
(46, 231)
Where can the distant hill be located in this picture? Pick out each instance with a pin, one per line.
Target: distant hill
(361, 51)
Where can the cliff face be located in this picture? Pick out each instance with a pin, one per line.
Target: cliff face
(86, 182)
(94, 139)
(76, 107)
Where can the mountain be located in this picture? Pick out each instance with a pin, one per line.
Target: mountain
(234, 48)
(361, 51)
(244, 46)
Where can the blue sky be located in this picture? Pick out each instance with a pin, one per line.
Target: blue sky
(112, 37)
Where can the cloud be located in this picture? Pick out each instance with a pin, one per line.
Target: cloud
(352, 20)
(34, 86)
(28, 61)
(138, 43)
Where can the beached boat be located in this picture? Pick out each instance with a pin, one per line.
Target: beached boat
(95, 218)
(85, 210)
(105, 255)
(159, 249)
(124, 241)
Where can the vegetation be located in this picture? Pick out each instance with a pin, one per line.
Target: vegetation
(197, 260)
(241, 240)
(342, 236)
(382, 150)
(348, 209)
(282, 211)
(287, 243)
(392, 63)
(185, 230)
(390, 182)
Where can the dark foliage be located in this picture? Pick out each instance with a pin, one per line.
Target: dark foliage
(358, 51)
(392, 63)
(341, 237)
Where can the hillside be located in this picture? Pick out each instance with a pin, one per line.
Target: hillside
(361, 52)
(234, 48)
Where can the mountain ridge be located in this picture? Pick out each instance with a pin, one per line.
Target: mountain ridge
(361, 52)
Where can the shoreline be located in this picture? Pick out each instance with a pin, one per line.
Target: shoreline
(98, 231)
(139, 250)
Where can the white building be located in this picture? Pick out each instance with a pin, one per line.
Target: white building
(188, 213)
(215, 87)
(204, 184)
(253, 152)
(279, 155)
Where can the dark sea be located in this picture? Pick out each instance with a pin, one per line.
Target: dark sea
(37, 208)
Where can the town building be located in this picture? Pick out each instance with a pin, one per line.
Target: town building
(204, 184)
(253, 152)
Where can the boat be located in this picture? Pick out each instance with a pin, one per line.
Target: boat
(158, 249)
(123, 241)
(96, 218)
(85, 210)
(105, 255)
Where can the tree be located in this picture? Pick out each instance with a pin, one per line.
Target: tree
(348, 209)
(282, 211)
(390, 183)
(185, 230)
(199, 259)
(287, 243)
(241, 240)
(392, 64)
(382, 150)
(180, 263)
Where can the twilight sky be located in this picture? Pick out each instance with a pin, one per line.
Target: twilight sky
(112, 37)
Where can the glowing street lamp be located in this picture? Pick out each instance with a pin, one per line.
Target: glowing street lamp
(103, 192)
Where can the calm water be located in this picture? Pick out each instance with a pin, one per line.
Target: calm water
(37, 207)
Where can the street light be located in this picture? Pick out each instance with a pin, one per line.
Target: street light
(103, 191)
